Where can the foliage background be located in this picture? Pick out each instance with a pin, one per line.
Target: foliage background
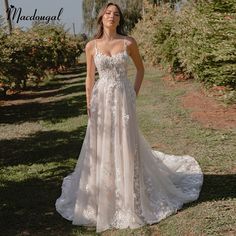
(198, 40)
(29, 56)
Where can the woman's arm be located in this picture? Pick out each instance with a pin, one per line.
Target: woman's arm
(89, 48)
(134, 54)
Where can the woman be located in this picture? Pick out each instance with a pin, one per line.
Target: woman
(119, 181)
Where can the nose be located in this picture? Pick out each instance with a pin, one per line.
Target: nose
(112, 15)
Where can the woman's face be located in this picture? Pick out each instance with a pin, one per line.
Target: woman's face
(111, 17)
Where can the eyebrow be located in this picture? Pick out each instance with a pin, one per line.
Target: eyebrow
(114, 11)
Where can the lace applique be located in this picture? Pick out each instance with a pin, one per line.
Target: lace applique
(112, 69)
(136, 149)
(89, 213)
(126, 119)
(118, 175)
(113, 110)
(137, 199)
(123, 218)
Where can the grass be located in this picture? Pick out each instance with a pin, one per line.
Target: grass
(41, 136)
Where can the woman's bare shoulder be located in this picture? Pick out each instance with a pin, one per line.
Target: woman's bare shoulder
(130, 40)
(90, 45)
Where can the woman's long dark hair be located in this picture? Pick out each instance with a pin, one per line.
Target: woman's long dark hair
(119, 28)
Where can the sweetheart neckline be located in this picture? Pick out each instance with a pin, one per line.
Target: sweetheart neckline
(113, 55)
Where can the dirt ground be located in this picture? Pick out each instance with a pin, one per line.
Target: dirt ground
(204, 106)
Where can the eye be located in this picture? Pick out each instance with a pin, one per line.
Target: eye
(108, 13)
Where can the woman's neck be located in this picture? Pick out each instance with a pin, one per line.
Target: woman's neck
(109, 35)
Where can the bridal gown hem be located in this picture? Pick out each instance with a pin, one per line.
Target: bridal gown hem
(119, 181)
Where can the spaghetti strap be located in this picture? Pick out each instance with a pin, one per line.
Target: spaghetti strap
(95, 42)
(124, 44)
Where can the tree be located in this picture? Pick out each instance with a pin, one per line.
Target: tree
(159, 2)
(131, 9)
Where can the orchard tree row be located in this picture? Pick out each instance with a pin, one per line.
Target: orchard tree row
(27, 56)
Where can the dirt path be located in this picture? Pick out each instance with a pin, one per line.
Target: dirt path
(204, 108)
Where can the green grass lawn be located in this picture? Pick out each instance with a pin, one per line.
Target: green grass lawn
(41, 134)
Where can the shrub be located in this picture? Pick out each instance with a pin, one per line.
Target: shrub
(206, 43)
(154, 34)
(198, 40)
(29, 55)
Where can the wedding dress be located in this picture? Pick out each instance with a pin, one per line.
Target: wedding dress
(119, 181)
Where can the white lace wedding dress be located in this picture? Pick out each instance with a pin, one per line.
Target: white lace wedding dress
(119, 181)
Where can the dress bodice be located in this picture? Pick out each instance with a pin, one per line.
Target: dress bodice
(114, 66)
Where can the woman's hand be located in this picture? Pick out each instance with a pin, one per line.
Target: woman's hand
(134, 53)
(88, 111)
(136, 92)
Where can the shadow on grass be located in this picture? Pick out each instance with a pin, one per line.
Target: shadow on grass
(32, 210)
(59, 81)
(52, 111)
(75, 69)
(49, 93)
(28, 207)
(42, 147)
(216, 188)
(56, 84)
(50, 104)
